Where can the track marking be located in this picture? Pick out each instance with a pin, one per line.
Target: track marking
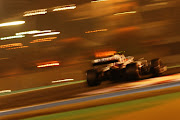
(65, 80)
(41, 88)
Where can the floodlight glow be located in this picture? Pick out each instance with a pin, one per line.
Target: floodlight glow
(45, 34)
(12, 23)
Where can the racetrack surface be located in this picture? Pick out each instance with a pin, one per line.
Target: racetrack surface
(137, 109)
(57, 93)
(84, 99)
(71, 91)
(54, 93)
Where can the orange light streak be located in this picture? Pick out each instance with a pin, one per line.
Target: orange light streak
(43, 40)
(94, 31)
(104, 54)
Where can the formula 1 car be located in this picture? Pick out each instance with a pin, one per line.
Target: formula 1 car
(118, 67)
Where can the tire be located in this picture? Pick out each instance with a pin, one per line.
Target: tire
(93, 78)
(156, 65)
(132, 72)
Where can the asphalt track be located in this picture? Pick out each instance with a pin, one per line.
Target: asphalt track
(41, 99)
(57, 93)
(84, 99)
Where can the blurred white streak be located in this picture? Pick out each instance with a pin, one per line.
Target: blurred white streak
(33, 32)
(12, 37)
(156, 6)
(98, 1)
(45, 34)
(130, 12)
(35, 12)
(65, 7)
(5, 91)
(48, 65)
(12, 23)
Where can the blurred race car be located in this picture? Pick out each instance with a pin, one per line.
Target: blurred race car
(118, 67)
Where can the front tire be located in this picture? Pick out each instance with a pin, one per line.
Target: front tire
(93, 78)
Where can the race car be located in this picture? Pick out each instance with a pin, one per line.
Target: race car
(119, 68)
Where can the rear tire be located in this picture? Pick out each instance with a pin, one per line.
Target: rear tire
(132, 72)
(156, 65)
(93, 78)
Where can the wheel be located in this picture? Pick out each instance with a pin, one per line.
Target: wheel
(156, 67)
(132, 72)
(93, 78)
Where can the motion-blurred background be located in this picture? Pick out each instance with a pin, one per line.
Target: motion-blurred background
(74, 32)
